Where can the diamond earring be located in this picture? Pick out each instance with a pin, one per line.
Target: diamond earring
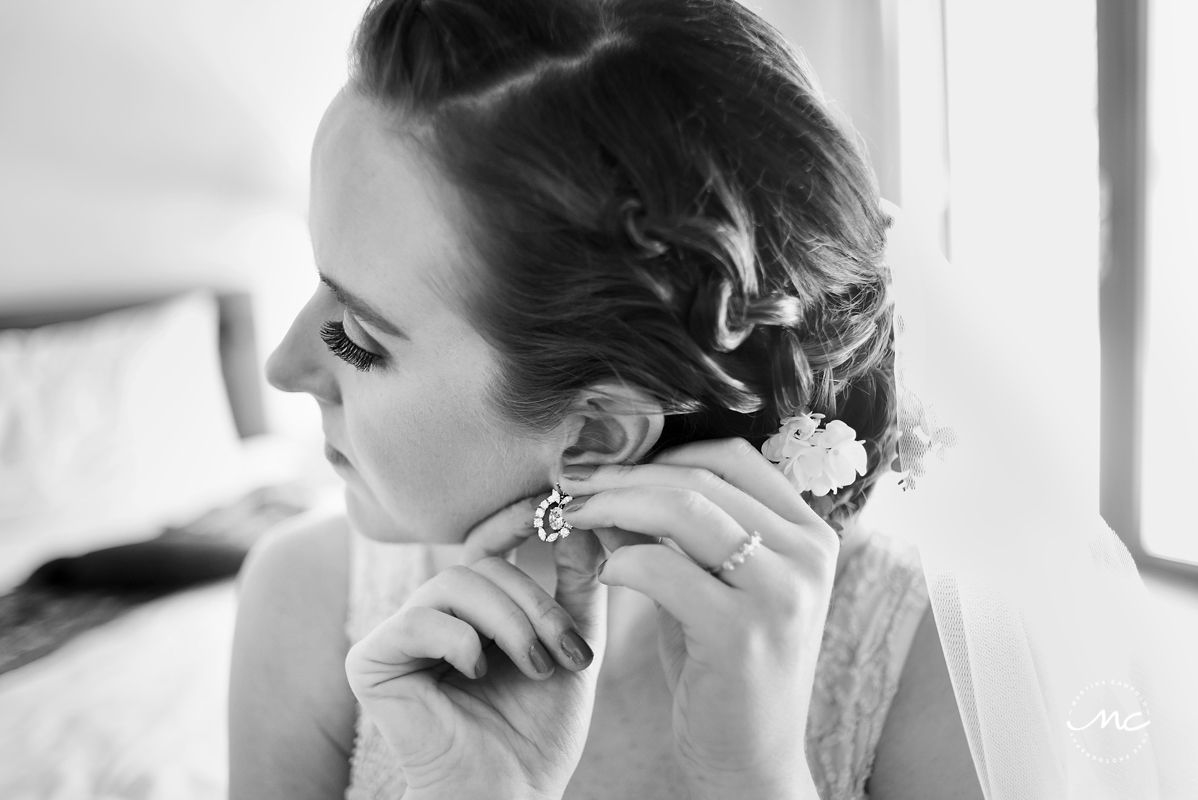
(551, 507)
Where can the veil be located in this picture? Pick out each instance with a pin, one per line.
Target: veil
(1066, 687)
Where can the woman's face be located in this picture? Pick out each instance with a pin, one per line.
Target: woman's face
(424, 455)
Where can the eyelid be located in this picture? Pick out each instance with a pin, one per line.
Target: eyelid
(342, 346)
(363, 315)
(358, 333)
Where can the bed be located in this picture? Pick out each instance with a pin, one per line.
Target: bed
(130, 429)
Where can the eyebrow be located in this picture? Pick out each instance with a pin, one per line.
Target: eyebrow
(362, 310)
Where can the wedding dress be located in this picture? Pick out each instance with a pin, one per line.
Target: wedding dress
(1067, 687)
(878, 599)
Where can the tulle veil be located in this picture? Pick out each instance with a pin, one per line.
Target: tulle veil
(1066, 685)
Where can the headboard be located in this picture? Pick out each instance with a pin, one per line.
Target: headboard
(238, 345)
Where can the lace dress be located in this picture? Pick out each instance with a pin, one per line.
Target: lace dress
(877, 601)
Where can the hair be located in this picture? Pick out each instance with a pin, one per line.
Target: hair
(658, 194)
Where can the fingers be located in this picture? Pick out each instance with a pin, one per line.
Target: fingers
(407, 642)
(745, 512)
(736, 478)
(613, 539)
(701, 529)
(554, 624)
(671, 579)
(741, 465)
(476, 599)
(450, 617)
(501, 532)
(577, 558)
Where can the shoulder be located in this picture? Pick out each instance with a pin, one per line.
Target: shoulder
(309, 556)
(291, 712)
(295, 581)
(923, 752)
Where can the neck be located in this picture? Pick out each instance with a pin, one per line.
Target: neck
(631, 624)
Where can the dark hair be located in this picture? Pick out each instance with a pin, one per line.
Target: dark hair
(657, 193)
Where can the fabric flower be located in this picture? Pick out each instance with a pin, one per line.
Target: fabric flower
(817, 460)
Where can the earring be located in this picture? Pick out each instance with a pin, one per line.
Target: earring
(551, 507)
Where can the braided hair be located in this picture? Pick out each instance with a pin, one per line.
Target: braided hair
(656, 193)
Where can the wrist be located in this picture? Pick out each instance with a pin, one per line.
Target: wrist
(449, 792)
(792, 785)
(483, 780)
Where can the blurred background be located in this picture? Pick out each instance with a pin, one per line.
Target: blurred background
(153, 249)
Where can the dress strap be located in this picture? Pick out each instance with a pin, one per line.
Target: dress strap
(877, 603)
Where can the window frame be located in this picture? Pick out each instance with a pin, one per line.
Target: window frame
(1122, 30)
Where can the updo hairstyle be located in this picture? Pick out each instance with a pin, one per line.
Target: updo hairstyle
(657, 193)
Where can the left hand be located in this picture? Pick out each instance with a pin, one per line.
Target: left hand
(739, 649)
(464, 723)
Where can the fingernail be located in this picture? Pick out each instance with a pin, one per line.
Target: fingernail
(578, 472)
(540, 659)
(576, 648)
(602, 564)
(575, 504)
(480, 666)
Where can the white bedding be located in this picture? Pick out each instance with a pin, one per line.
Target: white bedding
(260, 461)
(134, 709)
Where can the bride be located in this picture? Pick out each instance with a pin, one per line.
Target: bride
(610, 267)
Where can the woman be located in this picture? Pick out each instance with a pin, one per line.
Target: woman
(606, 245)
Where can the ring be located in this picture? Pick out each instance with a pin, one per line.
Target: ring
(736, 559)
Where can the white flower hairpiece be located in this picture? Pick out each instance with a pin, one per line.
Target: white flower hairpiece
(817, 460)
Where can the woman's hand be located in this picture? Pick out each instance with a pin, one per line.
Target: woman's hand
(739, 648)
(461, 679)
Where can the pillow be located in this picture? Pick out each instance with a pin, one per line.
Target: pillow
(111, 424)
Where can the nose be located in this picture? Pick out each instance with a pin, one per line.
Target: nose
(300, 363)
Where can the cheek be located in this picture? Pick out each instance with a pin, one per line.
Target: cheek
(435, 464)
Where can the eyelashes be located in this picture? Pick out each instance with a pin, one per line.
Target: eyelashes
(340, 345)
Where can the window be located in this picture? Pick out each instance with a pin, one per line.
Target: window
(1169, 517)
(1147, 321)
(1053, 143)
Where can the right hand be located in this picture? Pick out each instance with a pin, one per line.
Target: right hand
(450, 678)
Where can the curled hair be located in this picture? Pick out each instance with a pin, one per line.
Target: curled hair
(657, 193)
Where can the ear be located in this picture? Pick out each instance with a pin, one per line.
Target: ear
(613, 423)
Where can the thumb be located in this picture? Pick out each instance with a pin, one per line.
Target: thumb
(500, 533)
(579, 592)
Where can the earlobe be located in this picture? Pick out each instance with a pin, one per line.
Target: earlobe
(614, 424)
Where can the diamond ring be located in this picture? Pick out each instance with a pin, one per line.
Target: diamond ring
(737, 558)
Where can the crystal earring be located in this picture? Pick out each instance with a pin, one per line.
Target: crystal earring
(551, 508)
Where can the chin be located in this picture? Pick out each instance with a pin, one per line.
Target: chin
(368, 518)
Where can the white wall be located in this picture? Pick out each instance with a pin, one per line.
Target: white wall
(148, 145)
(851, 46)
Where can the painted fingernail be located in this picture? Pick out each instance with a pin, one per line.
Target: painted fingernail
(540, 659)
(576, 504)
(576, 648)
(578, 472)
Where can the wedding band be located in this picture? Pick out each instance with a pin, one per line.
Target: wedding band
(743, 552)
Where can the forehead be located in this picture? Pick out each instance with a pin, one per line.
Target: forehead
(383, 224)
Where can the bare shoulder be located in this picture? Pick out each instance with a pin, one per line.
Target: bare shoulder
(291, 713)
(922, 752)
